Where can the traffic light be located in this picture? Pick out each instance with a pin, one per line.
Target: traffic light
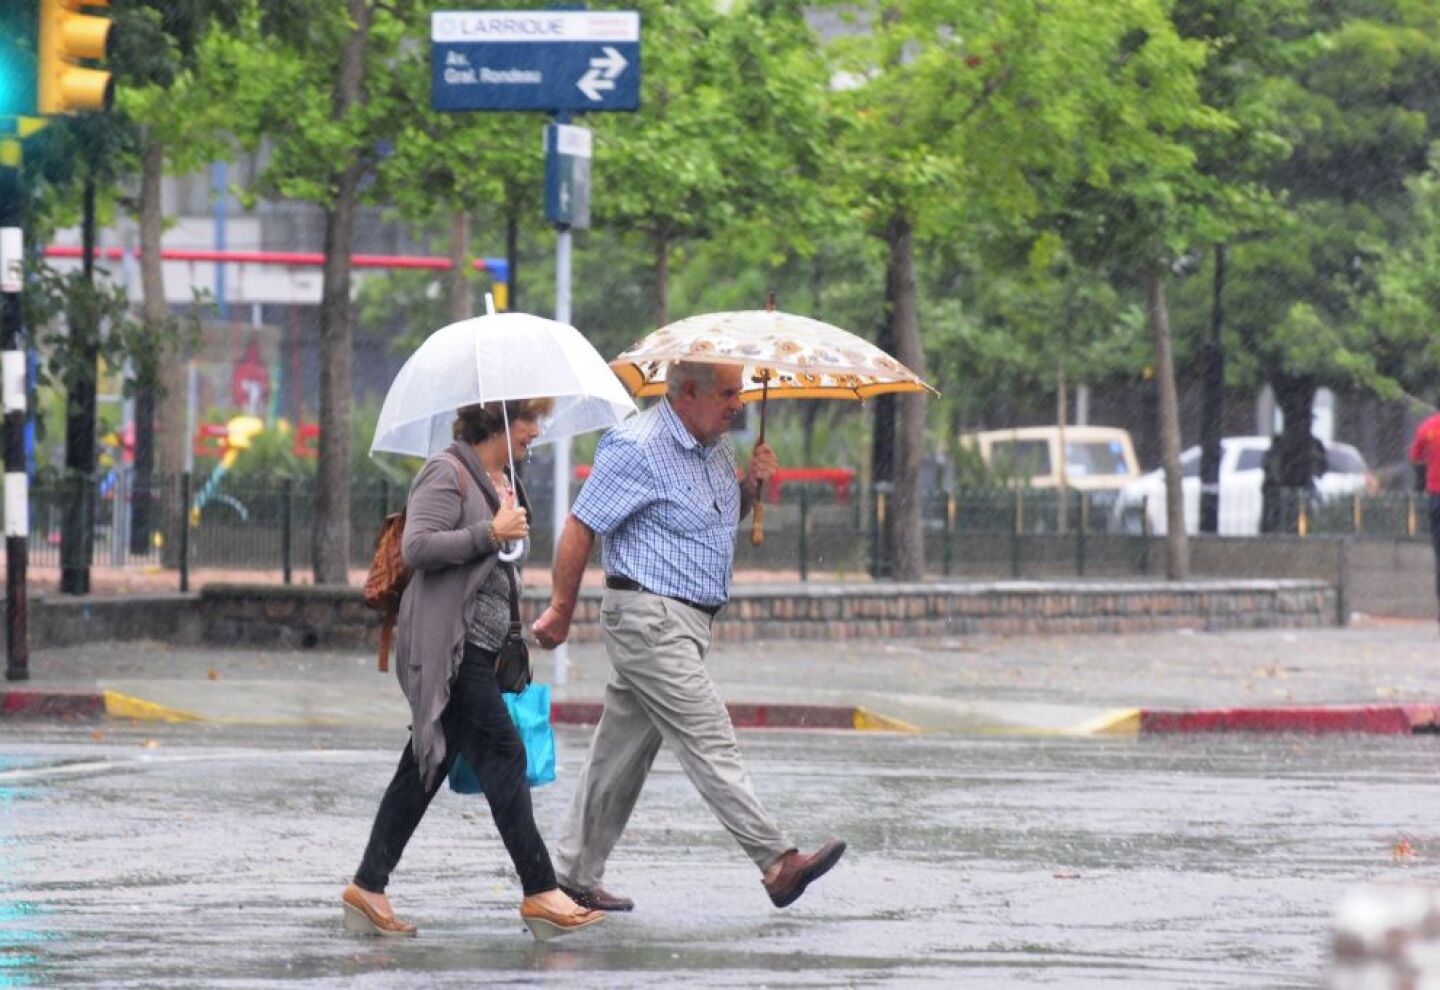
(17, 58)
(68, 37)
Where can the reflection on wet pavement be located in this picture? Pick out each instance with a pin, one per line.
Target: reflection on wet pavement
(217, 858)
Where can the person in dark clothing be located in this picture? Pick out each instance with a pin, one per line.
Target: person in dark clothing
(1279, 505)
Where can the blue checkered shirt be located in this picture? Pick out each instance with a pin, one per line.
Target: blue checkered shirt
(666, 506)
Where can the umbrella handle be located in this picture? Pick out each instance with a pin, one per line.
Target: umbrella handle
(757, 519)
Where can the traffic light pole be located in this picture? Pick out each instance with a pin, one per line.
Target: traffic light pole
(12, 395)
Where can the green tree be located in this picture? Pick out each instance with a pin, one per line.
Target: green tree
(1404, 309)
(730, 132)
(446, 169)
(323, 84)
(180, 125)
(976, 122)
(1356, 99)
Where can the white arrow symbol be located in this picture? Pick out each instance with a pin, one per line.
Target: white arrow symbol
(613, 63)
(602, 73)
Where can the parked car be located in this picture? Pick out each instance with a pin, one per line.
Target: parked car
(1097, 458)
(1241, 471)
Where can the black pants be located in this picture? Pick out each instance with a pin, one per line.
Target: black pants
(476, 723)
(1435, 538)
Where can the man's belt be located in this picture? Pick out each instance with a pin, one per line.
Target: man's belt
(620, 583)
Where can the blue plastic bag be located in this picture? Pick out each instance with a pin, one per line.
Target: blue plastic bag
(530, 711)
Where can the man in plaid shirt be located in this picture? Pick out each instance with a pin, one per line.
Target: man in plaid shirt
(664, 496)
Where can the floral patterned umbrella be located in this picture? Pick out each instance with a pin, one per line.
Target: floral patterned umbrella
(783, 355)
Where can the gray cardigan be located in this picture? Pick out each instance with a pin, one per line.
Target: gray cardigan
(447, 545)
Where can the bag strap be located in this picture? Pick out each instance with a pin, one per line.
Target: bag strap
(387, 628)
(460, 472)
(516, 629)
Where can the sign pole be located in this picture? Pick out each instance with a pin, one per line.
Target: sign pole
(567, 207)
(561, 488)
(12, 395)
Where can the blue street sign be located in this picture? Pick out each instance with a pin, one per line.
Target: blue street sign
(554, 60)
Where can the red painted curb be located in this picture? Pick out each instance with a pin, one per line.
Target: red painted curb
(51, 704)
(745, 716)
(1369, 719)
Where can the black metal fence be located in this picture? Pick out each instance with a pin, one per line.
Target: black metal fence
(812, 531)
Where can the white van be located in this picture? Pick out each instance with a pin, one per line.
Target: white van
(1097, 458)
(1242, 462)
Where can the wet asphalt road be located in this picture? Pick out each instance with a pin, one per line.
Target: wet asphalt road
(196, 856)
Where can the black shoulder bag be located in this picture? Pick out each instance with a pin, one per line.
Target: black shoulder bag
(512, 662)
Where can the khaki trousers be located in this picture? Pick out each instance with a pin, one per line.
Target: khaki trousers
(659, 691)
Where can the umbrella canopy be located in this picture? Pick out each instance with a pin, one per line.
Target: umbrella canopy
(498, 357)
(785, 356)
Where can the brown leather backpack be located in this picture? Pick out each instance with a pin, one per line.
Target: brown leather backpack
(385, 584)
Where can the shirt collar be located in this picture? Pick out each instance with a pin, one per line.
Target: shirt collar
(682, 436)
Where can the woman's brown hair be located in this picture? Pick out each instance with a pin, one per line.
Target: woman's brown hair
(477, 423)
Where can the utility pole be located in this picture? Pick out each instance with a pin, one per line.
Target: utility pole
(12, 396)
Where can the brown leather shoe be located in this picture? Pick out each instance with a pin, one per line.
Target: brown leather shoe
(598, 899)
(798, 870)
(362, 917)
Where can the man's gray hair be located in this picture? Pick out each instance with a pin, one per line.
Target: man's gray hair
(702, 373)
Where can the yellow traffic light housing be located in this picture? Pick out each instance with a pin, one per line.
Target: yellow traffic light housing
(69, 37)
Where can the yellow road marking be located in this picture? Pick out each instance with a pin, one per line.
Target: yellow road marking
(126, 706)
(1116, 722)
(868, 721)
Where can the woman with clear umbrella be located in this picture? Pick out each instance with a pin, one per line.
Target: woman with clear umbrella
(463, 509)
(501, 371)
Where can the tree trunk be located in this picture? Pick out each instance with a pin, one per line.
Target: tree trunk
(77, 534)
(170, 426)
(882, 447)
(910, 435)
(1296, 457)
(172, 422)
(662, 279)
(462, 306)
(1062, 467)
(332, 494)
(143, 477)
(1177, 542)
(512, 261)
(1212, 410)
(809, 417)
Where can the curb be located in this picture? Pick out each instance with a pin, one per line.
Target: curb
(63, 705)
(1388, 720)
(760, 716)
(74, 706)
(1412, 719)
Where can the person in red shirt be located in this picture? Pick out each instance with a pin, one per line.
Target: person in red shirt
(1425, 452)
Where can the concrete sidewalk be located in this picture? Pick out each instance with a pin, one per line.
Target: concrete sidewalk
(1375, 676)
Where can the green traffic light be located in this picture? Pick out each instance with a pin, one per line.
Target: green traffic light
(19, 23)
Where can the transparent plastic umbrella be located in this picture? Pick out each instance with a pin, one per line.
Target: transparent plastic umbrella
(498, 357)
(494, 358)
